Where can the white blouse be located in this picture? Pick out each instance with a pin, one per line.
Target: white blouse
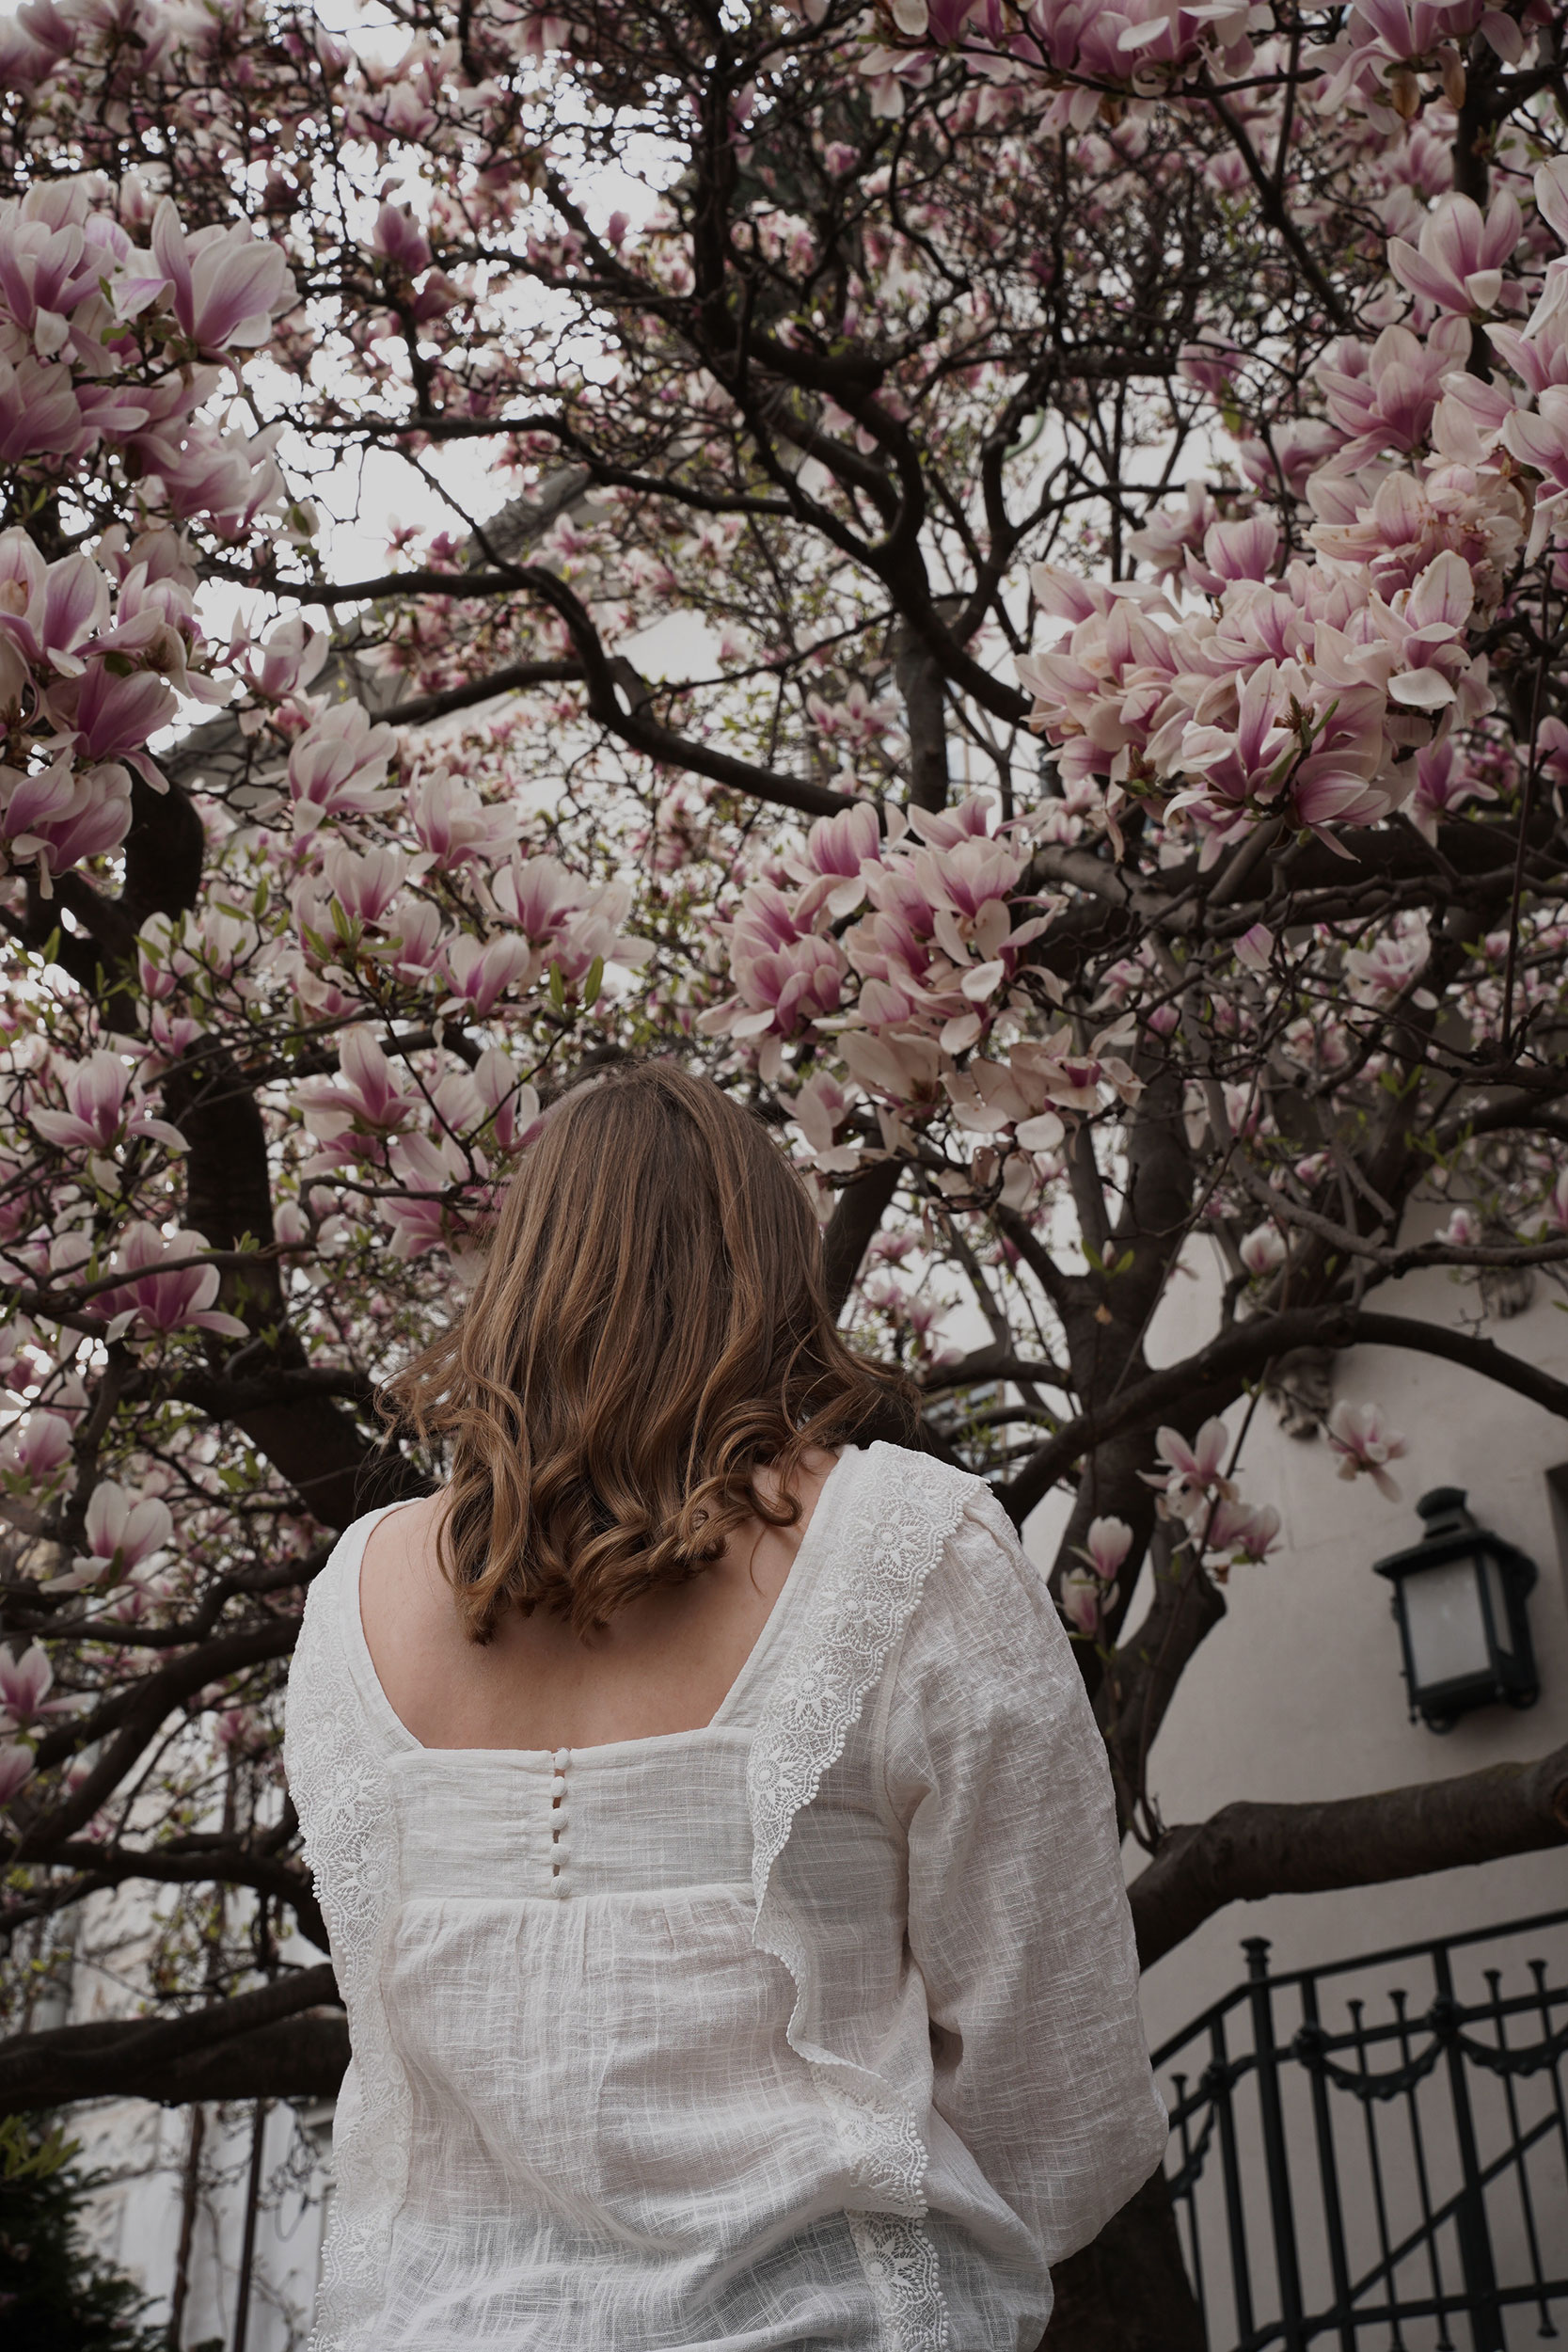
(816, 2027)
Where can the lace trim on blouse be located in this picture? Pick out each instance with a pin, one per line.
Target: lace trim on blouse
(899, 1522)
(350, 1841)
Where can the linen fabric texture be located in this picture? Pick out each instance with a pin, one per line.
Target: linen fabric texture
(816, 2026)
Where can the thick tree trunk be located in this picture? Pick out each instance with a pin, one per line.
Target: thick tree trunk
(1129, 2292)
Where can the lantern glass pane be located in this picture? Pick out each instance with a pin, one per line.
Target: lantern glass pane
(1447, 1630)
(1498, 1600)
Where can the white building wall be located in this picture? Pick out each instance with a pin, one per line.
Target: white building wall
(1298, 1693)
(137, 2218)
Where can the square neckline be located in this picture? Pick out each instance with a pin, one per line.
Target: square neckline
(767, 1636)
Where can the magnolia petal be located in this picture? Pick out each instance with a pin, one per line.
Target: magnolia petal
(1420, 690)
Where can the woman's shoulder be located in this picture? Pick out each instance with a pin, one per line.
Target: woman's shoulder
(913, 1485)
(929, 1554)
(326, 1643)
(984, 1613)
(947, 1515)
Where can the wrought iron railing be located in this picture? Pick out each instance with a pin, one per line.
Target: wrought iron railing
(1374, 2155)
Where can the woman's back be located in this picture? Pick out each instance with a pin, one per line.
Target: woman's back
(790, 2029)
(663, 1663)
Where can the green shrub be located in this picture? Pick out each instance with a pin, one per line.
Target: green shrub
(55, 2295)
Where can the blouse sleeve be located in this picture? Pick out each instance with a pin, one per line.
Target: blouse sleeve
(1018, 1912)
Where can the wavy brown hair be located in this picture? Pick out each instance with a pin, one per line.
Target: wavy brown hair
(650, 1328)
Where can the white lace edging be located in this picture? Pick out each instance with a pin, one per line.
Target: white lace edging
(896, 1528)
(345, 1814)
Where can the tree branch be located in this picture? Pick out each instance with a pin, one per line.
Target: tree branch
(256, 2042)
(1246, 1851)
(1218, 1372)
(860, 1209)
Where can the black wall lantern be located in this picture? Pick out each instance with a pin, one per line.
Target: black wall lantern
(1459, 1597)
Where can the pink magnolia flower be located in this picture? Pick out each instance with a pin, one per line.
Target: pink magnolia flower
(1263, 1249)
(16, 1769)
(110, 716)
(40, 1449)
(1386, 969)
(1379, 32)
(969, 885)
(1082, 1599)
(426, 1163)
(506, 1097)
(856, 719)
(454, 824)
(365, 1094)
(1172, 533)
(1459, 264)
(61, 814)
(40, 416)
(1551, 195)
(1245, 1531)
(819, 1109)
(291, 656)
(96, 1090)
(122, 1530)
(26, 1679)
(1537, 353)
(416, 1226)
(339, 765)
(787, 986)
(48, 610)
(1194, 1471)
(364, 886)
(904, 1068)
(227, 285)
(986, 1098)
(481, 971)
(837, 849)
(1106, 1546)
(1255, 948)
(1358, 1435)
(401, 240)
(1541, 441)
(969, 819)
(33, 41)
(414, 933)
(1240, 551)
(155, 1300)
(1443, 784)
(1425, 625)
(1250, 764)
(227, 477)
(1463, 1230)
(1384, 397)
(540, 896)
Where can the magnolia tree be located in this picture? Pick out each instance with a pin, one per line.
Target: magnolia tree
(1009, 571)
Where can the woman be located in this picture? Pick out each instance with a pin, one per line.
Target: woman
(716, 1843)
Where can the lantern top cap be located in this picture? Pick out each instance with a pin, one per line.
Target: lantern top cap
(1451, 1531)
(1443, 1503)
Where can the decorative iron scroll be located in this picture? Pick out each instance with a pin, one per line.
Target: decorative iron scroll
(1442, 2020)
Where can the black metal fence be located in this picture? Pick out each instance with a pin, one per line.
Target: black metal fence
(1374, 2155)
